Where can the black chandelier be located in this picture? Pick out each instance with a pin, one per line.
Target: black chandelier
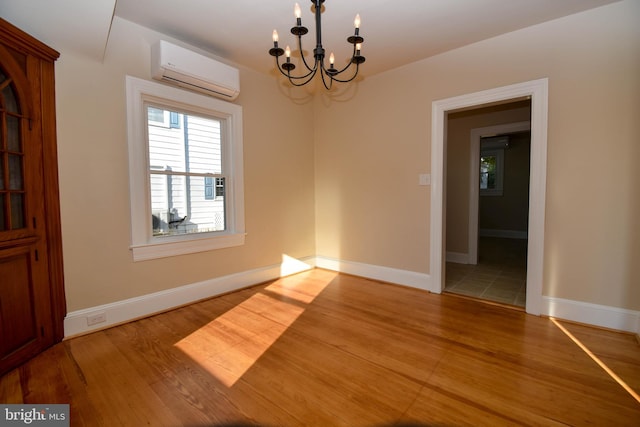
(329, 75)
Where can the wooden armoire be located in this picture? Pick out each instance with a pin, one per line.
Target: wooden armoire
(32, 301)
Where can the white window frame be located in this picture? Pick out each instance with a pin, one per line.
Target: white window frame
(144, 245)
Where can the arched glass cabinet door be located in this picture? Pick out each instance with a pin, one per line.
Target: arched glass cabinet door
(12, 182)
(32, 306)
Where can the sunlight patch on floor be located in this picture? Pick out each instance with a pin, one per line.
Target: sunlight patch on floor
(228, 346)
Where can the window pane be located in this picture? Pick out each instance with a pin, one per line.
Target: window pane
(10, 102)
(168, 203)
(2, 219)
(2, 185)
(166, 148)
(208, 214)
(13, 134)
(17, 211)
(15, 172)
(203, 145)
(180, 206)
(195, 148)
(487, 172)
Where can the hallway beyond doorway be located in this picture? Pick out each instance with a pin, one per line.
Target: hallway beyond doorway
(499, 276)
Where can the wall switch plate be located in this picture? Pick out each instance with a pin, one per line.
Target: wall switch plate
(424, 179)
(96, 318)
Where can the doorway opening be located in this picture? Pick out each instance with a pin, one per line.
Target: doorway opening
(487, 189)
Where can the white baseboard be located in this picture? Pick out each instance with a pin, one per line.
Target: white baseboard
(506, 234)
(75, 323)
(457, 257)
(385, 274)
(592, 314)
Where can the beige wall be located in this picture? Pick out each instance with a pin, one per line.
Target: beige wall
(351, 192)
(92, 138)
(459, 127)
(370, 150)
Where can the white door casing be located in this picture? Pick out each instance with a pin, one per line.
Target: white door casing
(538, 91)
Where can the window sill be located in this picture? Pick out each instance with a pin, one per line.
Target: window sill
(156, 250)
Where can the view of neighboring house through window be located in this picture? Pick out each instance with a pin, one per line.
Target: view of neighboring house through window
(186, 173)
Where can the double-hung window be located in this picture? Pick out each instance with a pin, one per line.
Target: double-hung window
(185, 168)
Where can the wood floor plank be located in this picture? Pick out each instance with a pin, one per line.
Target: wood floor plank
(617, 350)
(442, 408)
(532, 396)
(325, 349)
(357, 385)
(413, 356)
(117, 391)
(43, 384)
(10, 388)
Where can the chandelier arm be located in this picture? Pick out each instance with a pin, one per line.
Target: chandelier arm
(293, 78)
(323, 72)
(355, 74)
(349, 64)
(301, 77)
(289, 76)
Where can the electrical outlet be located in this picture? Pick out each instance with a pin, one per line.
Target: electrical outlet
(96, 318)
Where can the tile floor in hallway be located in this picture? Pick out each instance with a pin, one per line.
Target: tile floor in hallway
(499, 276)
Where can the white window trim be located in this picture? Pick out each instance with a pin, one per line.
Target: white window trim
(144, 245)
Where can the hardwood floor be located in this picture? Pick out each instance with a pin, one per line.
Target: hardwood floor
(324, 349)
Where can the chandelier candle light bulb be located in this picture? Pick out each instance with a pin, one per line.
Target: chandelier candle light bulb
(275, 50)
(328, 75)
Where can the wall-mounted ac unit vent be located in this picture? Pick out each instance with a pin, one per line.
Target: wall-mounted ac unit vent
(193, 71)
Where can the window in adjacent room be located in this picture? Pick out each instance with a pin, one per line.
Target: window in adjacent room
(492, 165)
(185, 154)
(491, 162)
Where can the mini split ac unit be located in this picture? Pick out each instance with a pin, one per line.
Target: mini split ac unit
(193, 71)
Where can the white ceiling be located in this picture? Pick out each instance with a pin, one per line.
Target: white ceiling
(396, 32)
